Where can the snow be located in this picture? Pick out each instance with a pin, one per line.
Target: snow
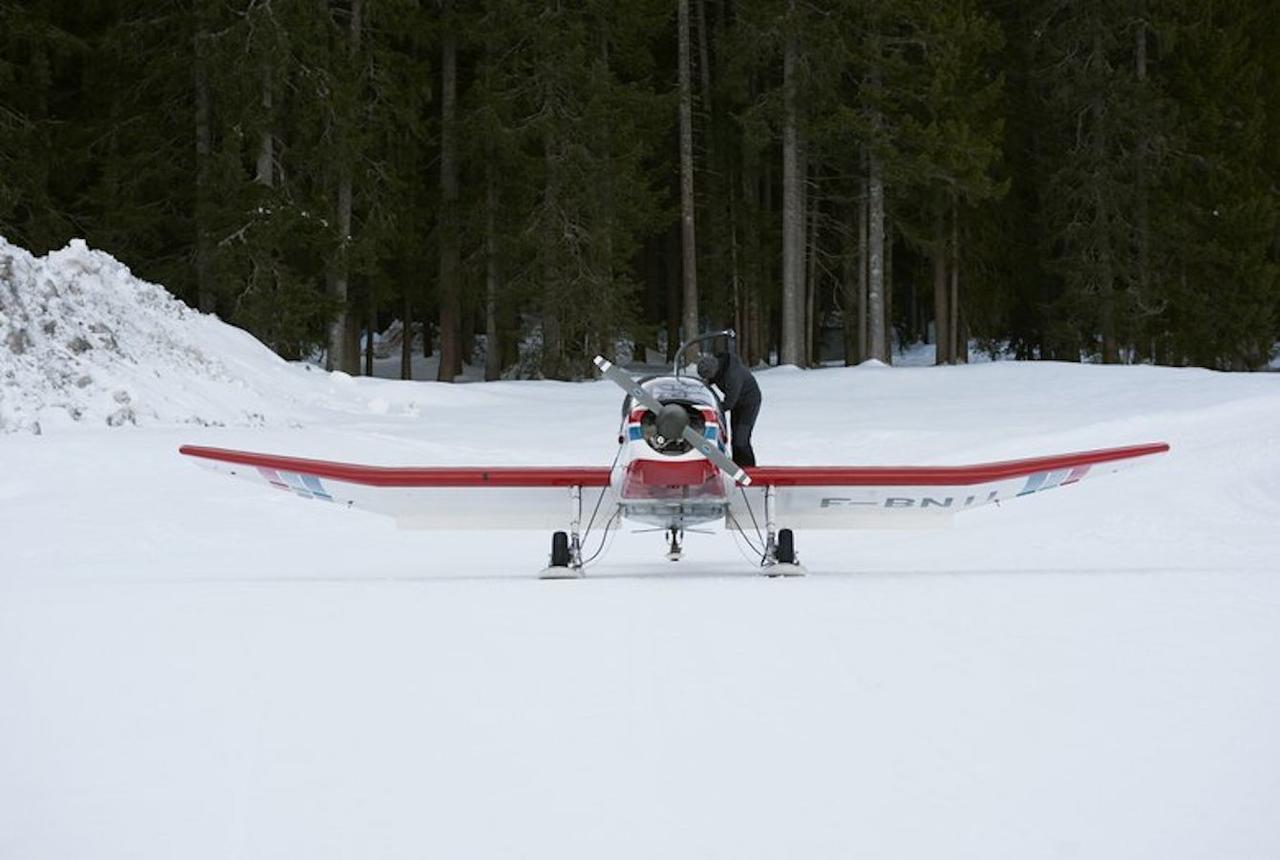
(194, 667)
(84, 343)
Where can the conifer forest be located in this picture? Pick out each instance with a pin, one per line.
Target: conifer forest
(530, 182)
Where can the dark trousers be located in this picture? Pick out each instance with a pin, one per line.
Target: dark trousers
(742, 417)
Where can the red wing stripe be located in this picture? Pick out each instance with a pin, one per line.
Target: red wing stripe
(934, 476)
(409, 476)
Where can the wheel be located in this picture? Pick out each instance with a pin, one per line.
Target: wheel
(786, 552)
(559, 549)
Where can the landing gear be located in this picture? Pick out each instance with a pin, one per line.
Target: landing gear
(786, 549)
(675, 549)
(780, 557)
(566, 547)
(560, 549)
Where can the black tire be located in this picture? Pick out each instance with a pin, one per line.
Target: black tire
(559, 549)
(786, 553)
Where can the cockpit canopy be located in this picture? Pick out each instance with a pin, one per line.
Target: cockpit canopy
(671, 389)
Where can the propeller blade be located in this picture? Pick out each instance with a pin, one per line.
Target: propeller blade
(627, 384)
(704, 445)
(709, 450)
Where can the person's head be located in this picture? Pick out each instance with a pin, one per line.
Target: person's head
(708, 366)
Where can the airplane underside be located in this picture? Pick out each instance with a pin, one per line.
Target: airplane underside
(673, 517)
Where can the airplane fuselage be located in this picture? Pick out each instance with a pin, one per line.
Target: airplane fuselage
(667, 483)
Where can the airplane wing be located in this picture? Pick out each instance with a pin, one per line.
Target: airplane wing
(514, 497)
(837, 497)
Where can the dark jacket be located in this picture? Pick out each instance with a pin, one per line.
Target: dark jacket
(735, 380)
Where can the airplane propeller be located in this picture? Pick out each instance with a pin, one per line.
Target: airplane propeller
(672, 421)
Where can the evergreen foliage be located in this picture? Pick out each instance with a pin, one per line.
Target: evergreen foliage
(1067, 179)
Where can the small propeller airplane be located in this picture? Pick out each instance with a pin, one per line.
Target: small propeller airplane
(671, 473)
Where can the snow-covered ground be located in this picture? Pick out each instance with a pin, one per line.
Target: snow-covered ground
(194, 667)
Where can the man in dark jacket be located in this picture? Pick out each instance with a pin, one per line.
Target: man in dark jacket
(741, 399)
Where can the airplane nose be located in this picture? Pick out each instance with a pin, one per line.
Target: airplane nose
(670, 423)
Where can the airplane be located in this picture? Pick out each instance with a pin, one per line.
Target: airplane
(672, 473)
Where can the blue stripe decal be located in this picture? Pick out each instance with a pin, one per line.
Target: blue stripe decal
(313, 484)
(294, 480)
(1055, 478)
(635, 433)
(1033, 483)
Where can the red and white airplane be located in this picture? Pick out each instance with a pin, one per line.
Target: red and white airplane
(672, 473)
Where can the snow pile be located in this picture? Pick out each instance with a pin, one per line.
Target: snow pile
(83, 341)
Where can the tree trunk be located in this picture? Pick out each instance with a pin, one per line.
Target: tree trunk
(351, 358)
(704, 60)
(373, 324)
(338, 275)
(875, 261)
(1140, 152)
(863, 352)
(671, 256)
(467, 333)
(406, 340)
(552, 345)
(206, 296)
(849, 298)
(1106, 287)
(941, 303)
(913, 312)
(954, 334)
(735, 275)
(747, 260)
(610, 337)
(266, 141)
(888, 285)
(450, 298)
(428, 341)
(811, 344)
(792, 351)
(718, 220)
(688, 244)
(755, 329)
(493, 348)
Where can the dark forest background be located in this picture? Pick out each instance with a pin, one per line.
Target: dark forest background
(1063, 179)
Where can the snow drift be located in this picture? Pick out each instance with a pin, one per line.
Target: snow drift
(84, 342)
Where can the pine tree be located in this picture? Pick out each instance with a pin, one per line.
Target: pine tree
(1224, 298)
(273, 72)
(1088, 94)
(595, 131)
(39, 57)
(953, 133)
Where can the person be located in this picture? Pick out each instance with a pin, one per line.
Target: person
(741, 399)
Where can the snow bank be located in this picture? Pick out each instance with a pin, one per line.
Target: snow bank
(84, 342)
